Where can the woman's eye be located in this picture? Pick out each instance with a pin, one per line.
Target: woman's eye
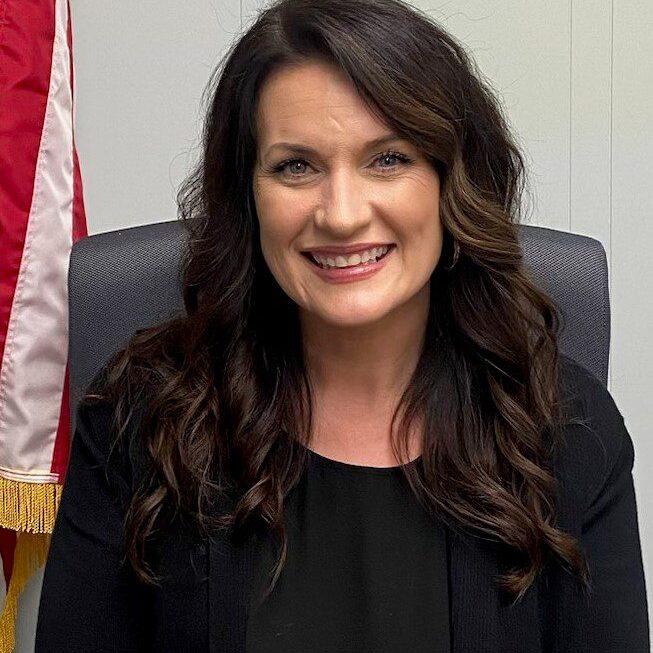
(394, 155)
(291, 164)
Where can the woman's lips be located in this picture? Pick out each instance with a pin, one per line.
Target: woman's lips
(352, 273)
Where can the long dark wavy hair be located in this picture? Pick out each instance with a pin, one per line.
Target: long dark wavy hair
(226, 396)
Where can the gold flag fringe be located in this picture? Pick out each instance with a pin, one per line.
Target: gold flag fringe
(30, 553)
(31, 510)
(30, 507)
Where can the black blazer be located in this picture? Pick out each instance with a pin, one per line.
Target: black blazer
(91, 602)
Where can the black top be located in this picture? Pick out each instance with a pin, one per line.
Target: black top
(366, 568)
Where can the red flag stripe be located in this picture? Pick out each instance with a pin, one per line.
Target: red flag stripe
(7, 548)
(26, 54)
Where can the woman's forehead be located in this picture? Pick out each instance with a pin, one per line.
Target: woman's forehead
(312, 107)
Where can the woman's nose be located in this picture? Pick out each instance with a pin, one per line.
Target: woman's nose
(343, 207)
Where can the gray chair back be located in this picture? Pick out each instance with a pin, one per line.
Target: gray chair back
(125, 280)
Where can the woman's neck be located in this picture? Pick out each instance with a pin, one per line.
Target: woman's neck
(358, 374)
(363, 366)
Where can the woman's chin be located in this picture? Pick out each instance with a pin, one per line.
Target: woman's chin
(354, 317)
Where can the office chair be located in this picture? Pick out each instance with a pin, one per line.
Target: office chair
(124, 280)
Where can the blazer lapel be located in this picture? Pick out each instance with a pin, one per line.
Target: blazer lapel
(230, 569)
(481, 616)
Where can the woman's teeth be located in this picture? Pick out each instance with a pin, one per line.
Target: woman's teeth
(367, 256)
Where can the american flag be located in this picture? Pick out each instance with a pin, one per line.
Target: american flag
(41, 216)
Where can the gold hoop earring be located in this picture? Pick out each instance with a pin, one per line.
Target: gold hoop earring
(456, 254)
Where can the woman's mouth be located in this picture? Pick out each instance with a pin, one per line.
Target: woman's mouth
(345, 270)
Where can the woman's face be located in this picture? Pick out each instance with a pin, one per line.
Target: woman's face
(342, 190)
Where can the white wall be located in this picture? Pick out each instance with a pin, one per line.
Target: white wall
(574, 75)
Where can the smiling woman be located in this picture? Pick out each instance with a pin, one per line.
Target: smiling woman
(360, 434)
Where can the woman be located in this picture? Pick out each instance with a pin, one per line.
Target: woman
(360, 435)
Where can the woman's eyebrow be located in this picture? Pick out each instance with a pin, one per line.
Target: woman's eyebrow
(305, 149)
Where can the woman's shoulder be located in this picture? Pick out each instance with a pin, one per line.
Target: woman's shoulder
(96, 423)
(595, 444)
(590, 401)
